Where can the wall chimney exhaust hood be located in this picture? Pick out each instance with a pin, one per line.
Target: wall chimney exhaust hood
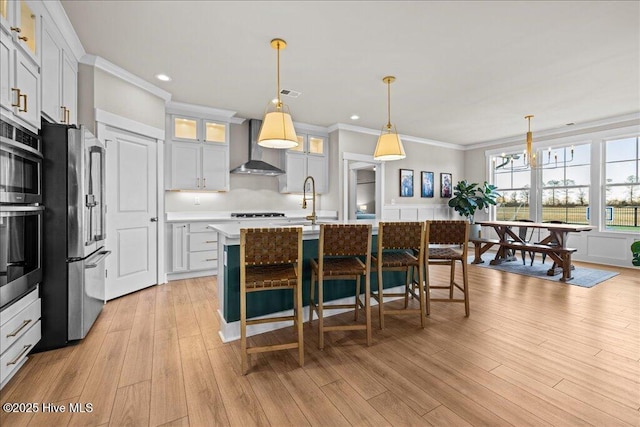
(255, 166)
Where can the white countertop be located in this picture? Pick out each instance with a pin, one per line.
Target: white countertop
(225, 216)
(231, 230)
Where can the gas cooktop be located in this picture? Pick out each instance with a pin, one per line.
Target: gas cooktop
(256, 214)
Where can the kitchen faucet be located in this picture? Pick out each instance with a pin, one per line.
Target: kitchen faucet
(313, 217)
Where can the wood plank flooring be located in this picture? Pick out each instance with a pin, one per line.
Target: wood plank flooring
(533, 352)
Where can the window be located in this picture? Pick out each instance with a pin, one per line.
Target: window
(565, 184)
(514, 183)
(622, 186)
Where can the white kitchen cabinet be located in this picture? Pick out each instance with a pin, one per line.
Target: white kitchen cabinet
(194, 249)
(179, 253)
(198, 155)
(19, 87)
(19, 332)
(59, 74)
(308, 159)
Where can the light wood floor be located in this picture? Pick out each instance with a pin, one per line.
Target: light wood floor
(533, 352)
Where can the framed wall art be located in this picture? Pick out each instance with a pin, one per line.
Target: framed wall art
(406, 182)
(426, 186)
(445, 185)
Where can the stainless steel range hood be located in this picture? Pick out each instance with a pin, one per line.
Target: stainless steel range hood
(255, 166)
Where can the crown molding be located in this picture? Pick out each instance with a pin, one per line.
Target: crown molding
(110, 119)
(113, 69)
(320, 130)
(202, 111)
(555, 133)
(403, 137)
(61, 21)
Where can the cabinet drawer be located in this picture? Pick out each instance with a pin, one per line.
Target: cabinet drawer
(19, 324)
(203, 242)
(14, 355)
(11, 311)
(199, 227)
(204, 260)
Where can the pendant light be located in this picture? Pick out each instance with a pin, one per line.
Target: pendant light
(389, 146)
(277, 127)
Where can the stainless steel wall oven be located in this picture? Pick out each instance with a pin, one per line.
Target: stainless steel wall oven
(20, 250)
(20, 165)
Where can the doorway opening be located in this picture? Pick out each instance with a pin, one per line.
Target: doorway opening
(363, 191)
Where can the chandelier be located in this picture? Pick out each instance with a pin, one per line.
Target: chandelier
(529, 156)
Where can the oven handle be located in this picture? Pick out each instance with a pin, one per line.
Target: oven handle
(6, 211)
(20, 149)
(102, 255)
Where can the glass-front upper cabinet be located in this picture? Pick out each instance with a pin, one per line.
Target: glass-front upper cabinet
(309, 144)
(19, 20)
(198, 130)
(215, 132)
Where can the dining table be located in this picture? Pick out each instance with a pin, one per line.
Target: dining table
(554, 244)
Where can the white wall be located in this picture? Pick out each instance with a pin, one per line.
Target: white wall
(102, 90)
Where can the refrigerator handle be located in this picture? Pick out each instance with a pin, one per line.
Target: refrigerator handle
(102, 255)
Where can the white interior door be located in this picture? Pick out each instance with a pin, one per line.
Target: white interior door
(132, 212)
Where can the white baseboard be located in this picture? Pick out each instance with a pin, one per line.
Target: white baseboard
(191, 274)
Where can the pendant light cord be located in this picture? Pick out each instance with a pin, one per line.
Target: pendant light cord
(279, 104)
(389, 105)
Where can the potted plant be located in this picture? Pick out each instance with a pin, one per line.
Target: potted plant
(467, 198)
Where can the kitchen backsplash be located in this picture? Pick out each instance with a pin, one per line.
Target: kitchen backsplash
(235, 200)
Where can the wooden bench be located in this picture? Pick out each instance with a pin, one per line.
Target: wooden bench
(561, 256)
(479, 249)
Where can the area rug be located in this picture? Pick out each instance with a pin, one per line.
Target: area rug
(584, 277)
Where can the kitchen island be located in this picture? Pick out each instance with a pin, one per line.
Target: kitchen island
(277, 301)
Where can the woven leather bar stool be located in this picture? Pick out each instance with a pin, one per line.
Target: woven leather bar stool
(447, 233)
(270, 258)
(339, 249)
(397, 243)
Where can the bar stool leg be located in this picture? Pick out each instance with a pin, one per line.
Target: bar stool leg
(367, 306)
(312, 303)
(243, 331)
(427, 288)
(300, 325)
(357, 305)
(320, 314)
(453, 275)
(380, 294)
(407, 283)
(421, 296)
(465, 282)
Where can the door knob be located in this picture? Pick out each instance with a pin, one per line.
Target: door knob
(154, 219)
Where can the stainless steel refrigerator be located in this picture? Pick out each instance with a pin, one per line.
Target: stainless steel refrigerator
(73, 284)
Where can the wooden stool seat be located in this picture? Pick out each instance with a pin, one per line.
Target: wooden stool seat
(270, 259)
(260, 277)
(444, 254)
(340, 247)
(400, 248)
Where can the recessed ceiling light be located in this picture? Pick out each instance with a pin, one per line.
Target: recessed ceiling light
(355, 117)
(163, 77)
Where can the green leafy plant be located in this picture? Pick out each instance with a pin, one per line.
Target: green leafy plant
(467, 198)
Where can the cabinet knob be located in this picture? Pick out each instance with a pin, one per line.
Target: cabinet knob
(154, 219)
(64, 114)
(198, 182)
(67, 116)
(16, 29)
(204, 182)
(24, 38)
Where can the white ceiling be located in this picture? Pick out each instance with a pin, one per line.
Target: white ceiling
(467, 71)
